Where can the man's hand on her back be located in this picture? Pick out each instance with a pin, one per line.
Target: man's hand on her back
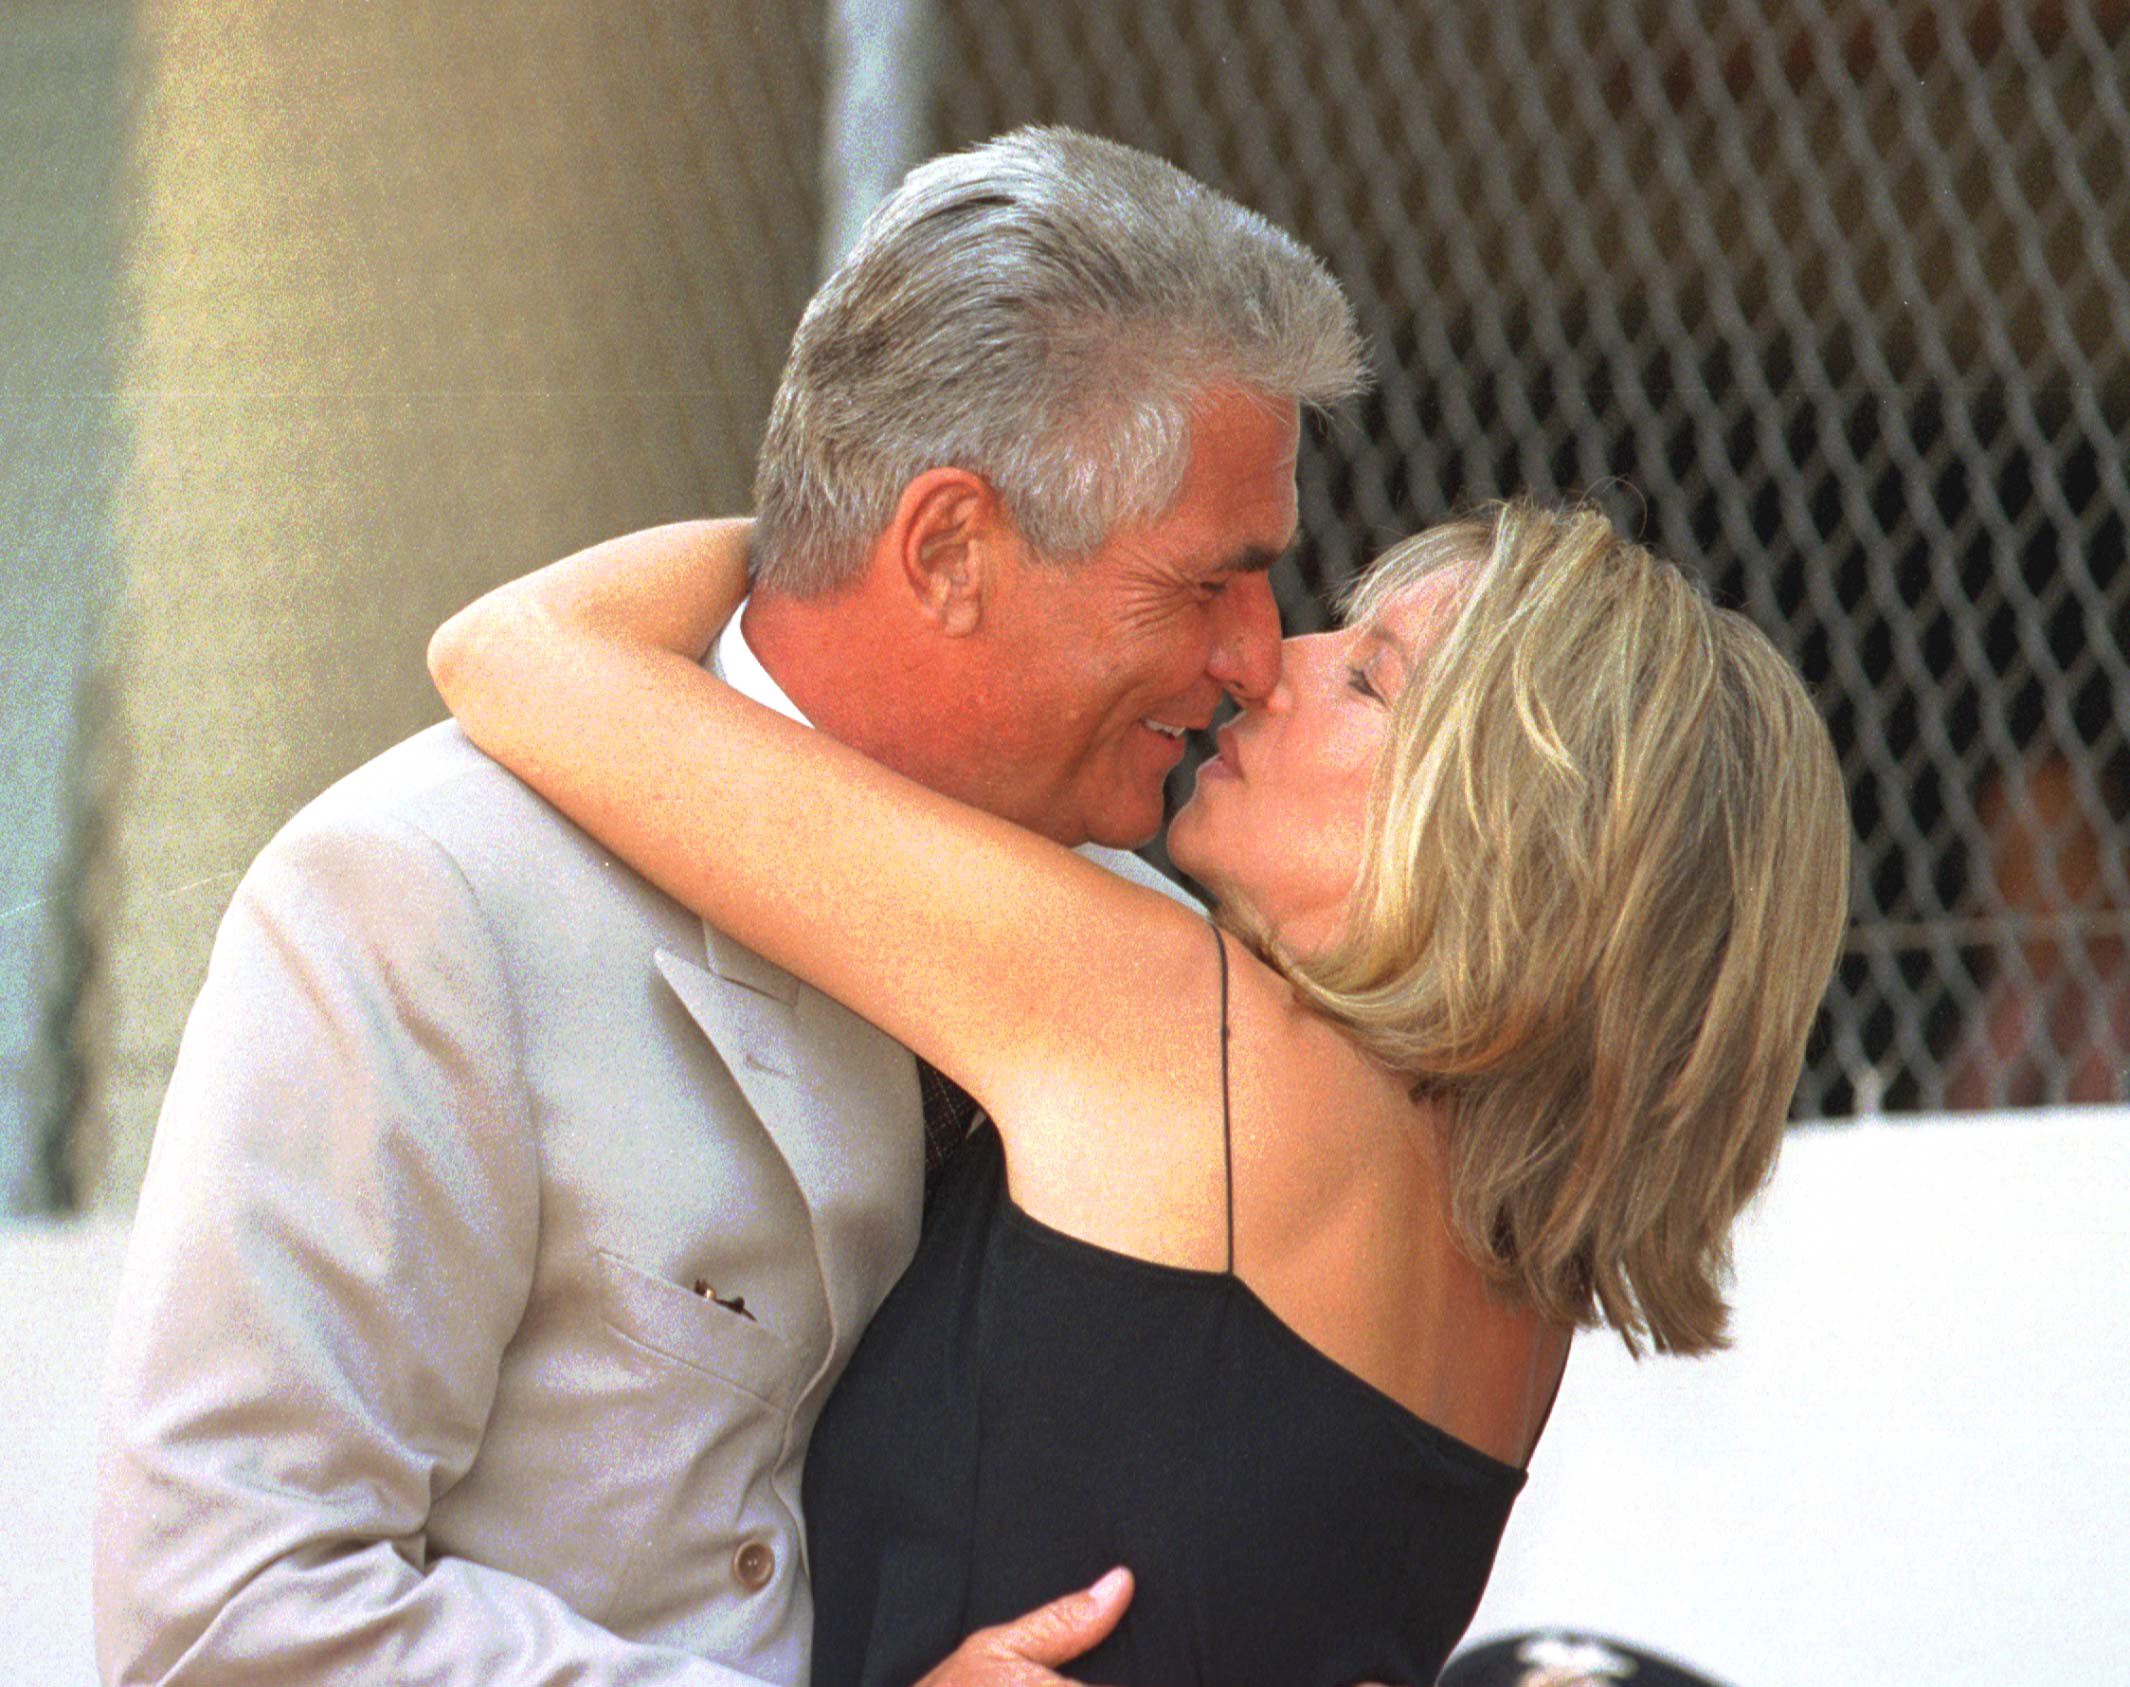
(1027, 1651)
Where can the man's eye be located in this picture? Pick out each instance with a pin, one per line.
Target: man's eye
(1208, 590)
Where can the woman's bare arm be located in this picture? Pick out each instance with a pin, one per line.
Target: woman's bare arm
(1044, 984)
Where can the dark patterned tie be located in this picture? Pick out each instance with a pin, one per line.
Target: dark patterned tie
(949, 1111)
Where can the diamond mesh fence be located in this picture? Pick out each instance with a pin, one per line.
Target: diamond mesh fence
(1827, 300)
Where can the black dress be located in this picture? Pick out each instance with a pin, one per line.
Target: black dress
(1028, 1410)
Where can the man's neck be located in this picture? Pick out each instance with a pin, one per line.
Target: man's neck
(737, 665)
(844, 668)
(867, 667)
(862, 674)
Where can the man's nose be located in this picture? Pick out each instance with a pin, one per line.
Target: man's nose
(1245, 656)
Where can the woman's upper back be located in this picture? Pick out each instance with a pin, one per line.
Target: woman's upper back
(1321, 1185)
(1028, 1409)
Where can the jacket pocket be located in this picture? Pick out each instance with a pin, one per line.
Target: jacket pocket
(696, 1331)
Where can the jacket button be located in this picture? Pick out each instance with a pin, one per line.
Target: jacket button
(754, 1564)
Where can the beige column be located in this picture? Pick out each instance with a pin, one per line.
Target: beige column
(420, 296)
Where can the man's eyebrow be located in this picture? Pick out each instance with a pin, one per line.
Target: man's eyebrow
(1253, 559)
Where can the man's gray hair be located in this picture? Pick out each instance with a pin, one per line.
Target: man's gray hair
(1043, 310)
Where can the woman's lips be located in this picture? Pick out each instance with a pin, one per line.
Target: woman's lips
(1224, 757)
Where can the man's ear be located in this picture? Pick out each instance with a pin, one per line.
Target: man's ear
(950, 534)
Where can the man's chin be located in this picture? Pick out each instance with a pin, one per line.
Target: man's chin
(1128, 826)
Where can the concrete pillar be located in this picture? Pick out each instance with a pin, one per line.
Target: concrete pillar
(878, 121)
(424, 295)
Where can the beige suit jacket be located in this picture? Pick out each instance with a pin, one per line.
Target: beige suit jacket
(504, 1230)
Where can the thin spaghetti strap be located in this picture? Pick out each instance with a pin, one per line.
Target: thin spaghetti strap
(1552, 1400)
(1227, 1129)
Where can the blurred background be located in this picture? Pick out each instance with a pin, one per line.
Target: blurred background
(319, 316)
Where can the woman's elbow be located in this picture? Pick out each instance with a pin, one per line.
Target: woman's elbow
(468, 651)
(451, 653)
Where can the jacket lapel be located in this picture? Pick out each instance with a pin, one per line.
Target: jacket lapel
(837, 1097)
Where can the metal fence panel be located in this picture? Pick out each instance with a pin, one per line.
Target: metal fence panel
(1825, 298)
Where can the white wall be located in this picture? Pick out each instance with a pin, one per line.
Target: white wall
(58, 1284)
(1913, 1468)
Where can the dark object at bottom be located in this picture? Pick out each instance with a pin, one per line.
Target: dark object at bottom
(1028, 1410)
(1563, 1657)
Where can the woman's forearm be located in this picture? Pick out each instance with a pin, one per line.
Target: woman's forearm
(1009, 971)
(518, 663)
(669, 587)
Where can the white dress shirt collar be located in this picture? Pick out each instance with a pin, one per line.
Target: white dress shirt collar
(733, 660)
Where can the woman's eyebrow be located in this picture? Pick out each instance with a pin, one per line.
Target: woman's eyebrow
(1377, 634)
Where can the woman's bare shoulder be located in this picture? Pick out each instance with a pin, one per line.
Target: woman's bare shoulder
(1124, 1142)
(1314, 1115)
(1343, 1230)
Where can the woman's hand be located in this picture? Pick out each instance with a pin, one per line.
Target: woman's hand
(1029, 1651)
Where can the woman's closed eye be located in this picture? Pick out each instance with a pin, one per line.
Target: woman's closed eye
(1357, 679)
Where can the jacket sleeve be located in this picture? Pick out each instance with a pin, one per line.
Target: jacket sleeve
(334, 1245)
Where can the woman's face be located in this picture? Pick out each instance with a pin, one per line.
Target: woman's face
(1279, 818)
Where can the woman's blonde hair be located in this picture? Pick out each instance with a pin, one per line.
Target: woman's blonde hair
(1606, 881)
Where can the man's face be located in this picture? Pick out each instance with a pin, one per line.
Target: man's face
(1102, 664)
